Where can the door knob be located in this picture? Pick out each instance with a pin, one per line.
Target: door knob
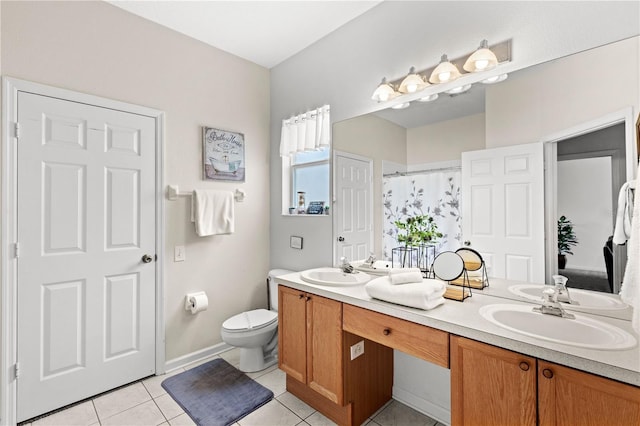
(341, 238)
(147, 259)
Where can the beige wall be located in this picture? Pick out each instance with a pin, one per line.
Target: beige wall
(446, 140)
(542, 100)
(378, 139)
(96, 48)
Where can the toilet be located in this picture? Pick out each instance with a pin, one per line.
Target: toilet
(256, 332)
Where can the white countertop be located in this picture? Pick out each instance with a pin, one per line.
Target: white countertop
(463, 319)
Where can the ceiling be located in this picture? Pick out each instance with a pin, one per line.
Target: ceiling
(263, 32)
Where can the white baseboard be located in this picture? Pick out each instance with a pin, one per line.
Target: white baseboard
(428, 408)
(196, 356)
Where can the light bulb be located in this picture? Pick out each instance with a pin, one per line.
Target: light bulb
(459, 89)
(411, 88)
(384, 97)
(401, 106)
(495, 79)
(429, 98)
(481, 64)
(444, 76)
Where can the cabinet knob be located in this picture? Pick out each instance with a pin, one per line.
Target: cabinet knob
(547, 373)
(386, 331)
(524, 366)
(301, 296)
(308, 298)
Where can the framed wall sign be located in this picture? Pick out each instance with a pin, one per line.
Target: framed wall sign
(223, 155)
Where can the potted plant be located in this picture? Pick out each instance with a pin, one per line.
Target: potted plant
(566, 239)
(417, 231)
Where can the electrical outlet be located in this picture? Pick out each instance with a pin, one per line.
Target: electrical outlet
(179, 254)
(357, 350)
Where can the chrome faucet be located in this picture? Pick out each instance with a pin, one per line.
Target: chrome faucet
(550, 304)
(370, 260)
(345, 266)
(563, 291)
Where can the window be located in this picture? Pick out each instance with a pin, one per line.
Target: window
(310, 174)
(305, 142)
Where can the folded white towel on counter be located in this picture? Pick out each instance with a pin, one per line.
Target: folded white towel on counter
(426, 294)
(213, 212)
(405, 275)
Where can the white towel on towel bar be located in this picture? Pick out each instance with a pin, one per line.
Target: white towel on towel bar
(622, 230)
(213, 212)
(630, 290)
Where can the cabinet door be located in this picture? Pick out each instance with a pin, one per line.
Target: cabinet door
(324, 348)
(491, 386)
(567, 396)
(292, 350)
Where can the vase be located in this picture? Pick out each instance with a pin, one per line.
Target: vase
(562, 261)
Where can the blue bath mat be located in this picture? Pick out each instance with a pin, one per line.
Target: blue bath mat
(216, 393)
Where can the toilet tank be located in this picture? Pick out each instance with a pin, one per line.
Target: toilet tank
(273, 287)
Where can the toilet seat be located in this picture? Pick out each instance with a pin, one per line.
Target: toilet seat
(250, 320)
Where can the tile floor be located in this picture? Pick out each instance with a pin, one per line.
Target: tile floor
(146, 403)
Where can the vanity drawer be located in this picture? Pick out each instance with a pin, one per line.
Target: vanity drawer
(414, 339)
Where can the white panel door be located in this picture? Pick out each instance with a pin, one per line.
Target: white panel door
(503, 209)
(353, 223)
(86, 218)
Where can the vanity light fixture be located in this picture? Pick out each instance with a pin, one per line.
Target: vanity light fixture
(412, 83)
(384, 92)
(429, 98)
(476, 62)
(459, 89)
(444, 72)
(495, 79)
(482, 59)
(401, 105)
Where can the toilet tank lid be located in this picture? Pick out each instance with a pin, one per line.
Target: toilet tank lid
(257, 318)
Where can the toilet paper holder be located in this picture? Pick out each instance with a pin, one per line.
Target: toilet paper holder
(190, 300)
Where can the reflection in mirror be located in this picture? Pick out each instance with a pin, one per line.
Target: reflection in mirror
(590, 172)
(532, 105)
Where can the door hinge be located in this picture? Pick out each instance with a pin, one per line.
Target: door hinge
(16, 370)
(16, 250)
(16, 130)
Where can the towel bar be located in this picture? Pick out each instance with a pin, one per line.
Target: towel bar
(173, 192)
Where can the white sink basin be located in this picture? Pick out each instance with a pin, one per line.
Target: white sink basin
(334, 277)
(582, 331)
(380, 267)
(586, 299)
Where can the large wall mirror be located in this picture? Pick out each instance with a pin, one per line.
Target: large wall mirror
(586, 124)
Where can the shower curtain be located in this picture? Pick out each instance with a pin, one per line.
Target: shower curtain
(434, 193)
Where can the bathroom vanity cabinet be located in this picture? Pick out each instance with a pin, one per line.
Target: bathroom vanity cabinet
(491, 386)
(310, 339)
(315, 354)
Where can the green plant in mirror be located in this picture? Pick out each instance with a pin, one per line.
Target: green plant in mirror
(566, 239)
(417, 230)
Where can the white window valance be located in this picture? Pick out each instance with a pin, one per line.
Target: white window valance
(310, 131)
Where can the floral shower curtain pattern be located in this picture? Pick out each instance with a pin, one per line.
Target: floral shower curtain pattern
(434, 193)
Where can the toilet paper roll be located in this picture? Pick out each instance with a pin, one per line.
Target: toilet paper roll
(198, 302)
